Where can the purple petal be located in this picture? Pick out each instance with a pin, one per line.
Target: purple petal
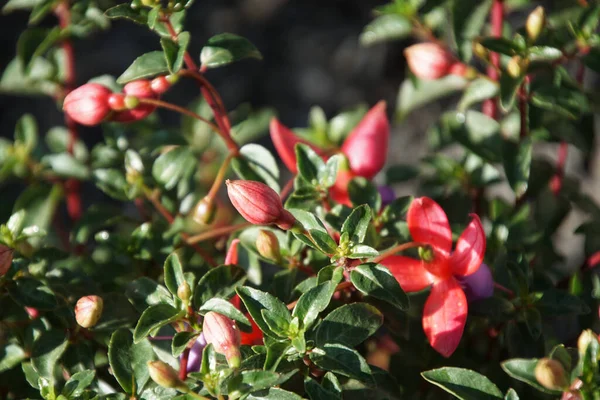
(195, 357)
(479, 285)
(387, 195)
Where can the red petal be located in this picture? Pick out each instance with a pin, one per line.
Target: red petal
(470, 249)
(427, 223)
(232, 254)
(410, 273)
(285, 142)
(339, 191)
(444, 316)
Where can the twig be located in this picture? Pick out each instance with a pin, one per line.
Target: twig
(490, 106)
(217, 232)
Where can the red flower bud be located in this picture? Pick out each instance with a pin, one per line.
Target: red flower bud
(6, 255)
(224, 335)
(160, 85)
(140, 89)
(88, 311)
(285, 142)
(259, 204)
(366, 146)
(429, 60)
(116, 101)
(88, 104)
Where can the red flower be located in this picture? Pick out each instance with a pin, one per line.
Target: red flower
(445, 311)
(285, 142)
(252, 338)
(231, 258)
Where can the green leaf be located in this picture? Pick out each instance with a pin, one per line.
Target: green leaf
(57, 139)
(517, 164)
(343, 360)
(309, 163)
(255, 163)
(145, 292)
(501, 45)
(155, 317)
(463, 383)
(125, 11)
(511, 395)
(476, 131)
(11, 356)
(276, 351)
(145, 66)
(67, 166)
(14, 5)
(592, 59)
(564, 101)
(26, 133)
(468, 18)
(478, 90)
(34, 42)
(112, 182)
(30, 292)
(533, 320)
(173, 273)
(357, 223)
(175, 51)
(318, 392)
(227, 309)
(508, 90)
(173, 166)
(417, 93)
(273, 394)
(523, 370)
(544, 53)
(278, 324)
(377, 281)
(128, 360)
(328, 175)
(256, 301)
(323, 241)
(384, 28)
(47, 350)
(218, 282)
(311, 303)
(180, 342)
(349, 325)
(555, 302)
(362, 251)
(308, 220)
(78, 382)
(226, 48)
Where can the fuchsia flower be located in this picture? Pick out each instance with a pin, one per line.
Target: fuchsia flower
(285, 142)
(224, 335)
(445, 311)
(88, 104)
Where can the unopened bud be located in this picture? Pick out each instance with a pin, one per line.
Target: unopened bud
(205, 211)
(480, 50)
(429, 60)
(586, 338)
(535, 23)
(184, 292)
(134, 91)
(164, 375)
(160, 85)
(88, 310)
(131, 102)
(516, 66)
(267, 245)
(550, 374)
(6, 255)
(116, 102)
(224, 335)
(88, 104)
(259, 204)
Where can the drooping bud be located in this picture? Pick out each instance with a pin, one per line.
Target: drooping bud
(429, 60)
(586, 338)
(550, 374)
(478, 285)
(205, 211)
(139, 89)
(88, 310)
(195, 356)
(267, 245)
(184, 292)
(164, 375)
(535, 23)
(6, 255)
(366, 146)
(224, 335)
(259, 204)
(160, 85)
(285, 142)
(88, 104)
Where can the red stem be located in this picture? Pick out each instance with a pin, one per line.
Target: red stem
(523, 99)
(183, 362)
(72, 186)
(490, 106)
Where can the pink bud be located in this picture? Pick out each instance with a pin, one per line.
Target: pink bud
(88, 311)
(366, 146)
(160, 85)
(224, 335)
(6, 255)
(88, 104)
(479, 285)
(285, 142)
(259, 204)
(140, 89)
(429, 60)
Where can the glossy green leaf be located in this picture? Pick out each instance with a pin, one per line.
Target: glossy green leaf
(349, 325)
(218, 282)
(226, 48)
(226, 308)
(67, 166)
(523, 370)
(509, 87)
(12, 355)
(180, 342)
(174, 51)
(174, 165)
(311, 303)
(30, 292)
(517, 164)
(47, 351)
(377, 281)
(145, 66)
(384, 28)
(34, 42)
(125, 11)
(343, 360)
(501, 45)
(153, 318)
(468, 18)
(255, 163)
(128, 360)
(511, 395)
(357, 223)
(256, 301)
(145, 292)
(463, 383)
(173, 273)
(478, 90)
(78, 382)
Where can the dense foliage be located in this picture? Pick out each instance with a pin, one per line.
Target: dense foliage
(224, 280)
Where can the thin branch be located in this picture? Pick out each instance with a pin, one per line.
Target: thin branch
(225, 230)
